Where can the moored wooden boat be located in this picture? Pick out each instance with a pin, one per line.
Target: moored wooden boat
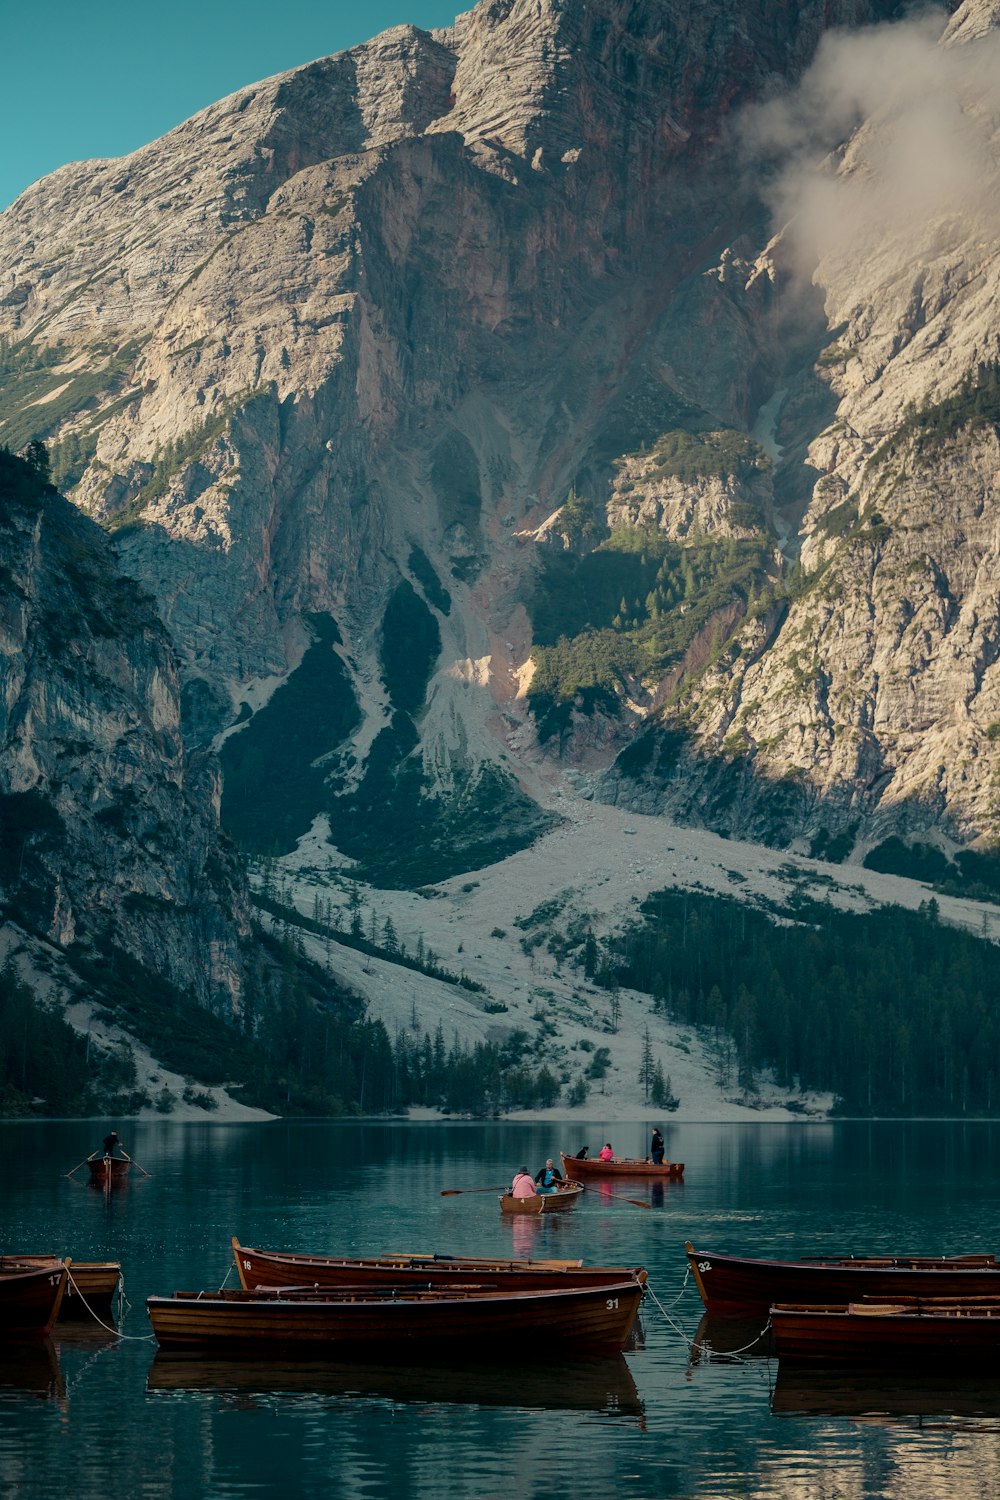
(427, 1323)
(91, 1285)
(731, 1283)
(105, 1169)
(275, 1268)
(907, 1333)
(542, 1203)
(30, 1296)
(582, 1169)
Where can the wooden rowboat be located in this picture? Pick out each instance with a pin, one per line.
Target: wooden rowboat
(275, 1268)
(542, 1203)
(730, 1283)
(91, 1285)
(910, 1333)
(424, 1323)
(583, 1170)
(30, 1296)
(108, 1169)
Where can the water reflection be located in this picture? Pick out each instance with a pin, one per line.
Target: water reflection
(32, 1369)
(602, 1385)
(882, 1398)
(721, 1337)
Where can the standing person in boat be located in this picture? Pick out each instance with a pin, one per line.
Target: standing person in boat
(549, 1178)
(606, 1153)
(523, 1185)
(112, 1145)
(656, 1147)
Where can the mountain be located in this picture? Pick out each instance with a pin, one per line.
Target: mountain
(110, 850)
(597, 395)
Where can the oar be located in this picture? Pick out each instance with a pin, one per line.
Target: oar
(132, 1159)
(451, 1192)
(622, 1199)
(78, 1166)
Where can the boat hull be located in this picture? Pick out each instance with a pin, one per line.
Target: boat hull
(91, 1285)
(542, 1203)
(429, 1322)
(580, 1169)
(273, 1268)
(729, 1283)
(888, 1335)
(30, 1297)
(105, 1169)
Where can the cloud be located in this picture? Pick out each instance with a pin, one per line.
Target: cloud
(889, 134)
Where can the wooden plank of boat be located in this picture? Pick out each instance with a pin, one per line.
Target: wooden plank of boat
(582, 1169)
(888, 1333)
(280, 1268)
(542, 1203)
(91, 1284)
(30, 1296)
(427, 1321)
(731, 1283)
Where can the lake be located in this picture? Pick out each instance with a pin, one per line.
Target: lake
(96, 1417)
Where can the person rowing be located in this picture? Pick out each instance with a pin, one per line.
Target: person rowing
(549, 1179)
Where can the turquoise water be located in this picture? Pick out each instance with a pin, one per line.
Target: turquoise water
(97, 1418)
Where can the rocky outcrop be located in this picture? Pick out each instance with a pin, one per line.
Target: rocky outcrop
(109, 834)
(397, 304)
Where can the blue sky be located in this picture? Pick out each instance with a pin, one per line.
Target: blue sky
(100, 79)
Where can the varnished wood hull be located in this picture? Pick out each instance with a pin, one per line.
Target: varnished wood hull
(273, 1268)
(91, 1284)
(729, 1283)
(888, 1335)
(583, 1169)
(30, 1297)
(424, 1324)
(542, 1203)
(104, 1169)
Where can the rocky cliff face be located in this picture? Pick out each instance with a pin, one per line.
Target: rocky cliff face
(108, 834)
(331, 355)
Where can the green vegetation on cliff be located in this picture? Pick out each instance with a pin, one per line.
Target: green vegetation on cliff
(630, 609)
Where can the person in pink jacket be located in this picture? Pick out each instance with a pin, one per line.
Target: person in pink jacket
(606, 1153)
(523, 1185)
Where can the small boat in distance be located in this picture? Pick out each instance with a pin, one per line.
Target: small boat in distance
(732, 1283)
(582, 1169)
(425, 1323)
(542, 1203)
(907, 1333)
(277, 1268)
(31, 1294)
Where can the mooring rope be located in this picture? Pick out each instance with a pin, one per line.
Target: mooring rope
(139, 1338)
(706, 1349)
(666, 1315)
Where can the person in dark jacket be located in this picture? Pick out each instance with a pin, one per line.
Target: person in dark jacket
(656, 1147)
(112, 1145)
(549, 1178)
